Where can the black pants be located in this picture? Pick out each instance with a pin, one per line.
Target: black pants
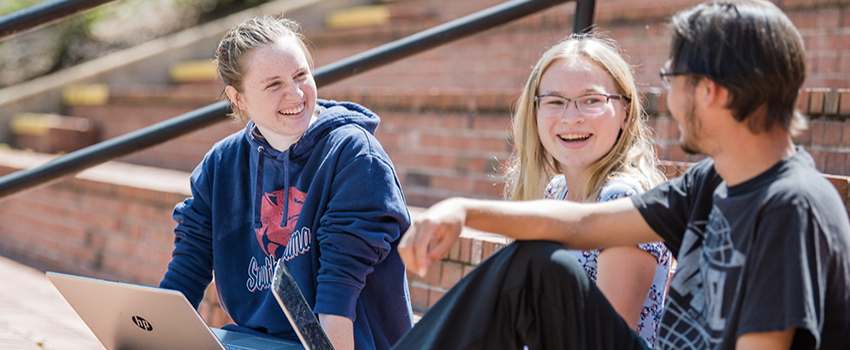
(529, 293)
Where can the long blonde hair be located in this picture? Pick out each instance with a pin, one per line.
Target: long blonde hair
(531, 167)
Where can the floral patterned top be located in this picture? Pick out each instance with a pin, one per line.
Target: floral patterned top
(621, 186)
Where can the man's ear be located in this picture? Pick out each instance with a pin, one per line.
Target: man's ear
(712, 94)
(234, 96)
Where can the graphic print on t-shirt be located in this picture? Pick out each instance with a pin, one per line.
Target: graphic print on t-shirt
(709, 269)
(275, 231)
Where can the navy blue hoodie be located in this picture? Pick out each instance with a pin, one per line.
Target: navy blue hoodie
(330, 207)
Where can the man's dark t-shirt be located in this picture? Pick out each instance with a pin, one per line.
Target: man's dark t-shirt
(765, 255)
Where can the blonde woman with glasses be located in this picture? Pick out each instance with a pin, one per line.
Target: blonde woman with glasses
(581, 136)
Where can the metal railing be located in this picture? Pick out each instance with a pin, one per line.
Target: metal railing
(164, 131)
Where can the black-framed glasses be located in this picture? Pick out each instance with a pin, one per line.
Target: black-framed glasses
(667, 77)
(589, 105)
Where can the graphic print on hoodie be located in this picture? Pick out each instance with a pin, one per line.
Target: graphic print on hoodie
(275, 232)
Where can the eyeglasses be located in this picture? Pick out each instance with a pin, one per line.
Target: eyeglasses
(666, 77)
(589, 105)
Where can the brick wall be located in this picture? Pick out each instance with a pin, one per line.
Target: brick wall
(113, 221)
(446, 111)
(450, 142)
(827, 137)
(132, 108)
(502, 57)
(454, 142)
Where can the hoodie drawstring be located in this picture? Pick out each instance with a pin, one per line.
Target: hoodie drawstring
(258, 189)
(286, 189)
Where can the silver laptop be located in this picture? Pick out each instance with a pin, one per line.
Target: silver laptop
(129, 316)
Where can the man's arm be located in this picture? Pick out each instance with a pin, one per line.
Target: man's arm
(581, 226)
(766, 340)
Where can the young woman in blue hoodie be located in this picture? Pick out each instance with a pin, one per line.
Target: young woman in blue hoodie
(305, 184)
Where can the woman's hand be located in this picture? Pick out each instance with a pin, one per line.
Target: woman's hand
(340, 331)
(442, 224)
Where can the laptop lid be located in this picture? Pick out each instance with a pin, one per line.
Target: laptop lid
(129, 316)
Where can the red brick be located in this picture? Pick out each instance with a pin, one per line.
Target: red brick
(833, 133)
(844, 102)
(452, 183)
(821, 42)
(836, 163)
(419, 298)
(827, 63)
(802, 104)
(830, 102)
(845, 142)
(492, 144)
(465, 244)
(467, 269)
(434, 296)
(454, 253)
(816, 97)
(476, 251)
(434, 275)
(499, 124)
(452, 273)
(818, 131)
(487, 250)
(815, 19)
(489, 188)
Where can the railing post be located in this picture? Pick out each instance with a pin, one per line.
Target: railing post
(583, 19)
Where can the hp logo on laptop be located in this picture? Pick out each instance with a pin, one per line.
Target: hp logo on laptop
(142, 323)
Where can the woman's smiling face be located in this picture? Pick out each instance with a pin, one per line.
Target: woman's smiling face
(279, 93)
(576, 140)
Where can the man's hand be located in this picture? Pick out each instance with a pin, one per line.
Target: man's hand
(442, 224)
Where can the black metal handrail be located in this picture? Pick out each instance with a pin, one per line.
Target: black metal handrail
(43, 14)
(164, 131)
(583, 17)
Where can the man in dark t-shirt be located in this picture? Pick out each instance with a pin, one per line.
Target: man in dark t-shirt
(761, 238)
(767, 254)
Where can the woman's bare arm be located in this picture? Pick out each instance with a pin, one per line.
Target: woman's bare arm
(624, 275)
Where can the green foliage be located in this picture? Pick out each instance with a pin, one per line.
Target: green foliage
(100, 30)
